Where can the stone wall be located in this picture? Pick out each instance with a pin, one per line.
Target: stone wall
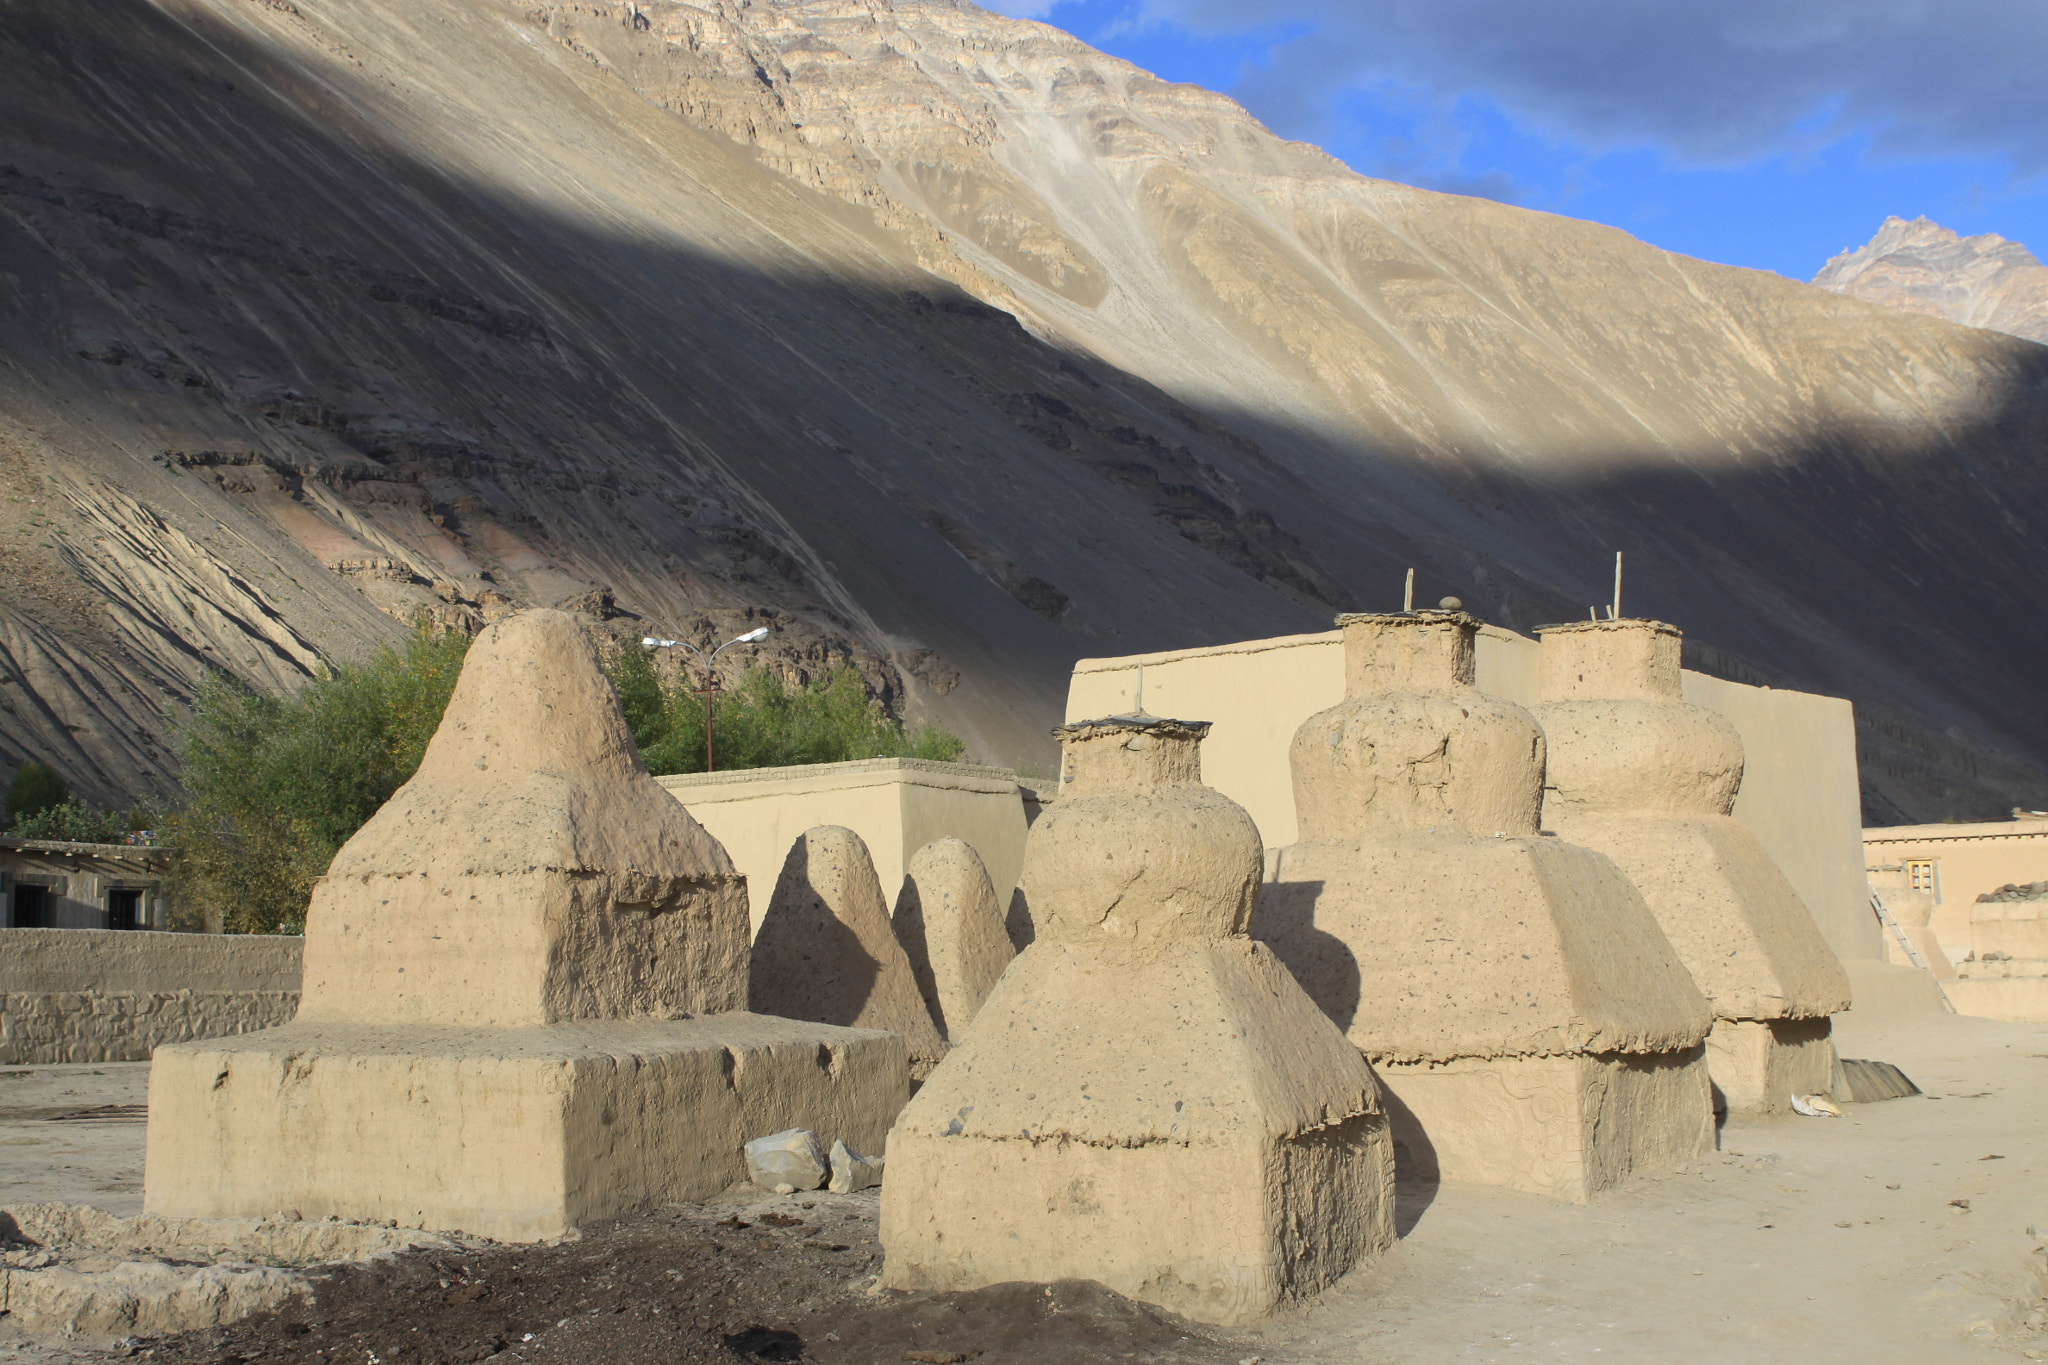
(101, 995)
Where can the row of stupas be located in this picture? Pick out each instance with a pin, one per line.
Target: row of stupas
(1535, 920)
(1525, 954)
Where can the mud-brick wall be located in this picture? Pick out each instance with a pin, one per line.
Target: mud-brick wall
(103, 995)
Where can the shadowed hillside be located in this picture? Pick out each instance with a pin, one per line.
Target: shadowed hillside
(952, 346)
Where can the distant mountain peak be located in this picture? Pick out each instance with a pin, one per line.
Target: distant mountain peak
(1923, 267)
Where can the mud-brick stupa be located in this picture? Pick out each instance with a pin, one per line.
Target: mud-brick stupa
(1650, 780)
(1146, 1099)
(524, 991)
(1530, 1021)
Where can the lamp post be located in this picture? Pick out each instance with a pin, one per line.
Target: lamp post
(710, 689)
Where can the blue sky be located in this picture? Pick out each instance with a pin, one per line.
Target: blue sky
(1765, 133)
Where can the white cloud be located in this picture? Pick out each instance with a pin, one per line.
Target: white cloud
(1711, 82)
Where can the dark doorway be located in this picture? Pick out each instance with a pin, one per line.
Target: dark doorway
(124, 908)
(28, 907)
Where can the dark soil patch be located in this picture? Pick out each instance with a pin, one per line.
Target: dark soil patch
(743, 1280)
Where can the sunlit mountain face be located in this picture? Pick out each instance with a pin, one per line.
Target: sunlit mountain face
(948, 345)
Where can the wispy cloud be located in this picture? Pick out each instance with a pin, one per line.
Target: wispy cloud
(1706, 82)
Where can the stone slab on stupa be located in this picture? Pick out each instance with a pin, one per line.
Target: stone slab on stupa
(523, 1002)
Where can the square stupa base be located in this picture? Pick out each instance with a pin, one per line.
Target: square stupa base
(1759, 1064)
(1220, 1232)
(1566, 1127)
(513, 1134)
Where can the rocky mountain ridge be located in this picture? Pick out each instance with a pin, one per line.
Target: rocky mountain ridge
(1923, 267)
(954, 347)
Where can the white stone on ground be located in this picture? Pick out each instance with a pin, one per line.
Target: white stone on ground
(791, 1157)
(851, 1171)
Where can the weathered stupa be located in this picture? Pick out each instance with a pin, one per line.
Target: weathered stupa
(951, 926)
(826, 952)
(1649, 779)
(1147, 1099)
(1531, 1023)
(521, 996)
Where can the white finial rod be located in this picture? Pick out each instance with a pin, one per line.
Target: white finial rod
(1408, 593)
(1138, 707)
(1614, 610)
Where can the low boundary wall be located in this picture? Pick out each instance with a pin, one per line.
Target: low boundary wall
(105, 995)
(896, 806)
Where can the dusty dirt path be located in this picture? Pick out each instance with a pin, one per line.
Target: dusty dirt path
(1801, 1240)
(73, 1133)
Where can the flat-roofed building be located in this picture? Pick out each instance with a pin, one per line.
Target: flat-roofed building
(1955, 864)
(51, 884)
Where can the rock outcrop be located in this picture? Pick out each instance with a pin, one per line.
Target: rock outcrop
(958, 347)
(1923, 267)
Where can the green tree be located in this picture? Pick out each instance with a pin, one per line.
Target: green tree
(274, 786)
(35, 789)
(763, 722)
(74, 821)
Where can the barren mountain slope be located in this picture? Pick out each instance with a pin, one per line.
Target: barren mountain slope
(1923, 267)
(954, 346)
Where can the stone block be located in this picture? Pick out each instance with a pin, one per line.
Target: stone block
(1562, 1126)
(1758, 1065)
(515, 1134)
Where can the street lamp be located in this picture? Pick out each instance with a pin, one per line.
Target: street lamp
(710, 689)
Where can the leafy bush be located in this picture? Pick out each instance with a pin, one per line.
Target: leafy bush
(275, 786)
(75, 821)
(35, 789)
(764, 722)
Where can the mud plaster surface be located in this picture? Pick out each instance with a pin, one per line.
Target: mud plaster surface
(1485, 1275)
